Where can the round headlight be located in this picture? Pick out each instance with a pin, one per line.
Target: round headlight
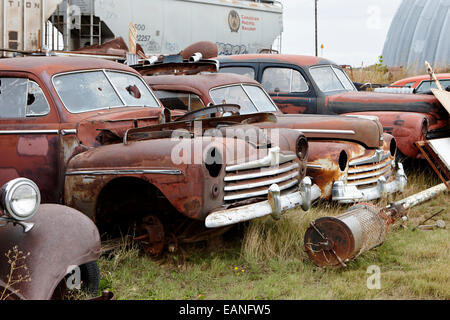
(20, 199)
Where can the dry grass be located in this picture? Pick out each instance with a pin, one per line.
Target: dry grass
(380, 74)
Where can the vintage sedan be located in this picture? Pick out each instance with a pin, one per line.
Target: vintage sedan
(94, 137)
(314, 85)
(45, 250)
(349, 158)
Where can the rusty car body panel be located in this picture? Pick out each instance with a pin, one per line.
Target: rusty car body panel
(61, 239)
(418, 110)
(80, 158)
(328, 136)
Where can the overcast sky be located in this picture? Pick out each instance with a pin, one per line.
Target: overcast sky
(352, 31)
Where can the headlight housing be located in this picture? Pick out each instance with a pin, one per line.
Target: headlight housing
(302, 148)
(20, 199)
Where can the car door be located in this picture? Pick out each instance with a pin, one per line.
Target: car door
(29, 134)
(289, 87)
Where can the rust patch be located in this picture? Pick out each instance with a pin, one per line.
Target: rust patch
(192, 207)
(32, 146)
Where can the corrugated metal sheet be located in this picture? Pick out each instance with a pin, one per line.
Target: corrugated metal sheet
(420, 31)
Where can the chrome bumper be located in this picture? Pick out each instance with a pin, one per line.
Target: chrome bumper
(345, 194)
(275, 206)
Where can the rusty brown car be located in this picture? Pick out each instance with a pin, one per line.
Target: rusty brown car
(44, 249)
(312, 85)
(94, 137)
(349, 158)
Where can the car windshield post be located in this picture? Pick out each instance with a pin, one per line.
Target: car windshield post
(344, 77)
(250, 98)
(333, 83)
(115, 88)
(272, 107)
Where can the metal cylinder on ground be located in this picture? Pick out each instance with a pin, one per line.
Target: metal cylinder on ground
(333, 241)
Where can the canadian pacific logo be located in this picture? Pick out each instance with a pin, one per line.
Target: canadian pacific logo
(234, 21)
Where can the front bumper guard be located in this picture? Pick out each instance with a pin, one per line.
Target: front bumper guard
(345, 194)
(275, 206)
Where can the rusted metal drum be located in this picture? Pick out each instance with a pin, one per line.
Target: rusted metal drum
(333, 241)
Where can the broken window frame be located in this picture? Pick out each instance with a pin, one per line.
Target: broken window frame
(113, 86)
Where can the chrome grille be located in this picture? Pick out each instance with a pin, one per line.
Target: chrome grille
(253, 179)
(365, 172)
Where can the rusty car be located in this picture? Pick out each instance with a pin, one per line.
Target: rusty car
(350, 158)
(422, 83)
(94, 137)
(45, 250)
(315, 85)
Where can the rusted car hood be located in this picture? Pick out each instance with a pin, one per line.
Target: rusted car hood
(367, 132)
(375, 101)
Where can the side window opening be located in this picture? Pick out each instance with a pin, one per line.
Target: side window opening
(244, 71)
(13, 97)
(21, 98)
(284, 80)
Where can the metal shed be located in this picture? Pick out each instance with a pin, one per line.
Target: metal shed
(420, 31)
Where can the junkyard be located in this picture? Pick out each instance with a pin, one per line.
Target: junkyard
(145, 162)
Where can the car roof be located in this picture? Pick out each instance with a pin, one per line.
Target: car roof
(197, 82)
(52, 65)
(300, 60)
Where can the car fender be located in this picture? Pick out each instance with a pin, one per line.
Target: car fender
(62, 238)
(323, 162)
(407, 128)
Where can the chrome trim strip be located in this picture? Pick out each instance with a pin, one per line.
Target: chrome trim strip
(6, 132)
(274, 158)
(379, 156)
(369, 175)
(259, 193)
(261, 174)
(314, 166)
(66, 132)
(362, 183)
(361, 170)
(327, 131)
(262, 183)
(123, 172)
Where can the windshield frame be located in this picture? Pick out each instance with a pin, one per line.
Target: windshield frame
(242, 84)
(332, 68)
(105, 72)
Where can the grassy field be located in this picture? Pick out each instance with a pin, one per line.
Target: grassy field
(265, 260)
